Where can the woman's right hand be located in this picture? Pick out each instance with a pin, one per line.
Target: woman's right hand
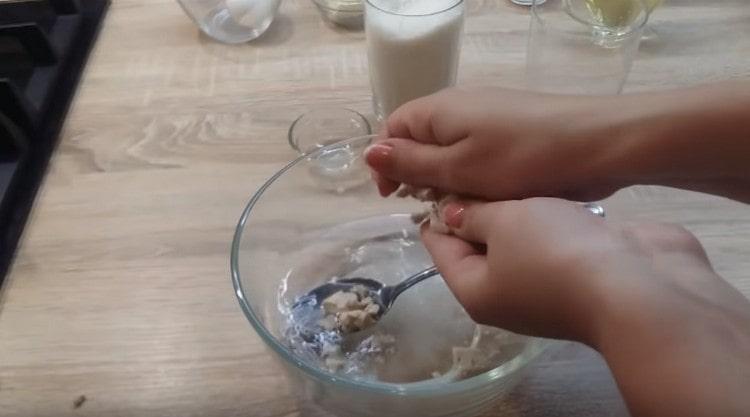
(498, 144)
(495, 144)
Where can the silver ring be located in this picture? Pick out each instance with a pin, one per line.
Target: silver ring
(595, 209)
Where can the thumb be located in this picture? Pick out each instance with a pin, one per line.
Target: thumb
(409, 162)
(472, 221)
(464, 269)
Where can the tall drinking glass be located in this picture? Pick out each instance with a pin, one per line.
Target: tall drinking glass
(583, 46)
(413, 49)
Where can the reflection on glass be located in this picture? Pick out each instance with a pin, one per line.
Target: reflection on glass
(583, 46)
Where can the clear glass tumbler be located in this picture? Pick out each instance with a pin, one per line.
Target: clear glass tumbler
(583, 46)
(413, 49)
(231, 21)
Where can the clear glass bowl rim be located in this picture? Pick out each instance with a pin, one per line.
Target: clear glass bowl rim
(424, 388)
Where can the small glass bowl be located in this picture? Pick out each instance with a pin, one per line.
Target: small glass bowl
(348, 14)
(338, 169)
(321, 127)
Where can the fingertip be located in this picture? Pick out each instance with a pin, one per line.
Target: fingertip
(467, 219)
(453, 214)
(378, 155)
(396, 125)
(388, 187)
(385, 186)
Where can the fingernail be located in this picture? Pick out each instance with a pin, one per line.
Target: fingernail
(376, 155)
(453, 214)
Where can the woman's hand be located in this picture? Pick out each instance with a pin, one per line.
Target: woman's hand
(498, 144)
(676, 336)
(494, 144)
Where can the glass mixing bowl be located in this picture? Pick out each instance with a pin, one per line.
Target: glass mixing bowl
(294, 234)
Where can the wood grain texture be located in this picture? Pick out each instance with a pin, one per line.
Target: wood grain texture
(120, 290)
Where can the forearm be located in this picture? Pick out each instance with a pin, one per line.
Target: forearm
(681, 357)
(697, 138)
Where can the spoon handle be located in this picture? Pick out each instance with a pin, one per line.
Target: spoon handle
(412, 281)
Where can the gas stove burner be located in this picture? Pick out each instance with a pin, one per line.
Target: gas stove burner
(44, 45)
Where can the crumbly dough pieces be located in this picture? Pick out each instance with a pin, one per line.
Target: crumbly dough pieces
(437, 201)
(349, 311)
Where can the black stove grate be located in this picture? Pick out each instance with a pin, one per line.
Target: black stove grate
(44, 45)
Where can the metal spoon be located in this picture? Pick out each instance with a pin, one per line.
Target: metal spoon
(381, 294)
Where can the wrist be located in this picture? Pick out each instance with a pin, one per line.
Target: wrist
(663, 344)
(677, 138)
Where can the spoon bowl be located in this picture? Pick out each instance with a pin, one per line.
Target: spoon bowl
(382, 295)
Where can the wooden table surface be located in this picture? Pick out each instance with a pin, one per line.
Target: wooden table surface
(120, 291)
